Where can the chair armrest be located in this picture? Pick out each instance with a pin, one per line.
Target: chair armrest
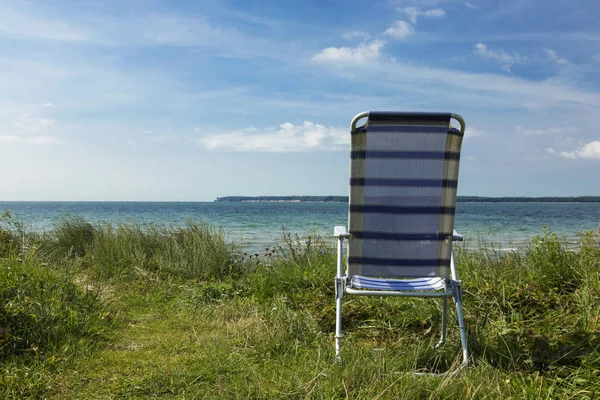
(340, 232)
(457, 237)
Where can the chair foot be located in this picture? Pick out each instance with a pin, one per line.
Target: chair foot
(444, 322)
(338, 347)
(461, 324)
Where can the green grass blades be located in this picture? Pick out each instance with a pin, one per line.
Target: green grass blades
(45, 312)
(46, 320)
(133, 311)
(129, 250)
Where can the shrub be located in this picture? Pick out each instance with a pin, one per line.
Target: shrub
(43, 312)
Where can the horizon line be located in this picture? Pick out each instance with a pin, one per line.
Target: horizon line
(276, 196)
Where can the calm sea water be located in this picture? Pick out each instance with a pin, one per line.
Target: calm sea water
(253, 225)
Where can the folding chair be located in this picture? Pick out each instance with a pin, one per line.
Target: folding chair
(403, 180)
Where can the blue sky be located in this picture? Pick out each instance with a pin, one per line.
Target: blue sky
(190, 100)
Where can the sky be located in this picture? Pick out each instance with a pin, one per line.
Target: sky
(192, 100)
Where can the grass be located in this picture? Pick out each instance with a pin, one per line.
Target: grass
(46, 320)
(127, 311)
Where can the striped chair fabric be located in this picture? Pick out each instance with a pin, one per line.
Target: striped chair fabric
(403, 180)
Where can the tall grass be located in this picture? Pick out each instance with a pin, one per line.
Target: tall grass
(199, 318)
(13, 235)
(43, 312)
(535, 311)
(71, 236)
(6, 242)
(126, 250)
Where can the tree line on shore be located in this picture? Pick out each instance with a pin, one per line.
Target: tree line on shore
(464, 199)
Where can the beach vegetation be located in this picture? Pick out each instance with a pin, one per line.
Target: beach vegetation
(144, 311)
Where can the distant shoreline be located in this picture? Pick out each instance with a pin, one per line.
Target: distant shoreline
(460, 199)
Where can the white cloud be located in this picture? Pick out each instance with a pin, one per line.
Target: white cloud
(475, 87)
(554, 57)
(32, 140)
(414, 12)
(399, 30)
(48, 105)
(597, 57)
(423, 3)
(285, 138)
(550, 150)
(356, 35)
(471, 6)
(590, 151)
(361, 54)
(471, 132)
(471, 158)
(435, 13)
(499, 55)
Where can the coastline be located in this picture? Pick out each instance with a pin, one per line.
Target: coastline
(459, 199)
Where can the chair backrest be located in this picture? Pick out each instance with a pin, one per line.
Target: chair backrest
(403, 180)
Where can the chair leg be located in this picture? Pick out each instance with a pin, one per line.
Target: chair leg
(339, 294)
(461, 322)
(444, 322)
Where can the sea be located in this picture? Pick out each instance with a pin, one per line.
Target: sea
(254, 225)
